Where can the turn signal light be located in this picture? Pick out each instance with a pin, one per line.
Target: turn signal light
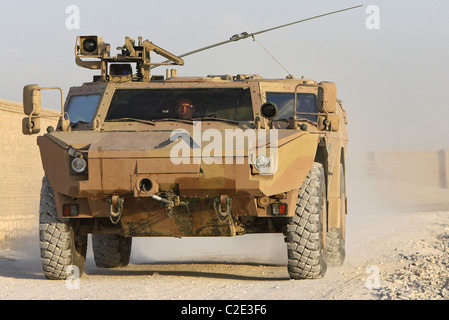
(70, 210)
(279, 209)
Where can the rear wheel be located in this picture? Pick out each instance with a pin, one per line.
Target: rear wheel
(306, 231)
(111, 250)
(63, 251)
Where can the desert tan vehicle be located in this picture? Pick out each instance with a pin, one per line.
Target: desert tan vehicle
(135, 155)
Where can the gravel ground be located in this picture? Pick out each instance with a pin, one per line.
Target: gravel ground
(424, 276)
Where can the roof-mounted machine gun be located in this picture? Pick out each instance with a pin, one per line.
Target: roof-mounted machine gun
(120, 65)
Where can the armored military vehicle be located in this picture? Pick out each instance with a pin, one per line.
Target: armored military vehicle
(140, 155)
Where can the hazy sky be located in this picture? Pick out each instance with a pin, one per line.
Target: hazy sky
(392, 79)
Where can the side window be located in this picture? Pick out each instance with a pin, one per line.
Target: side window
(82, 108)
(307, 103)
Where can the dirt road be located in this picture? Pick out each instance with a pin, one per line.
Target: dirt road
(389, 256)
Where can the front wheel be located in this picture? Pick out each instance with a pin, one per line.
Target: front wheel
(305, 231)
(63, 251)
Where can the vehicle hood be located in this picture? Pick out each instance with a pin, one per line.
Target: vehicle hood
(146, 144)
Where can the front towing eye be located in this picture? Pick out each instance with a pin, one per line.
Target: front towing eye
(115, 208)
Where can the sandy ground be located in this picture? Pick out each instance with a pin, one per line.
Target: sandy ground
(248, 267)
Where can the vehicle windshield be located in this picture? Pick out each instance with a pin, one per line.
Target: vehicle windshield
(82, 108)
(285, 102)
(168, 104)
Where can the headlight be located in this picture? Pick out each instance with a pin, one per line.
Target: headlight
(79, 165)
(262, 163)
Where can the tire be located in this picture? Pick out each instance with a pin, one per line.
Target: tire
(61, 248)
(305, 231)
(111, 250)
(335, 251)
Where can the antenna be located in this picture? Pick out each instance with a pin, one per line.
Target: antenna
(245, 35)
(276, 60)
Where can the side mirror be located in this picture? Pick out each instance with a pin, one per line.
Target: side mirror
(31, 125)
(327, 97)
(32, 107)
(32, 100)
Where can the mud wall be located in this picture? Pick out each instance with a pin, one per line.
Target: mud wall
(407, 181)
(20, 172)
(426, 168)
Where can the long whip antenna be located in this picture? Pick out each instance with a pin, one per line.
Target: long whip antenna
(245, 35)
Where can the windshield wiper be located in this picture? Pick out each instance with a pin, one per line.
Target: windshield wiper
(217, 119)
(73, 125)
(284, 120)
(175, 119)
(132, 119)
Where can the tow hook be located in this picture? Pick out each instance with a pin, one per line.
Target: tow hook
(223, 201)
(115, 208)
